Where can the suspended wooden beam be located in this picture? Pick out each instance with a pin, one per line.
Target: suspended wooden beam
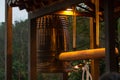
(8, 42)
(59, 5)
(84, 54)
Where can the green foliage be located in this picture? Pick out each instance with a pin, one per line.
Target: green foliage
(20, 50)
(75, 75)
(2, 74)
(82, 37)
(2, 63)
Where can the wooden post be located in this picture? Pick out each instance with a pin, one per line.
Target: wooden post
(32, 50)
(94, 40)
(8, 42)
(74, 28)
(97, 22)
(111, 59)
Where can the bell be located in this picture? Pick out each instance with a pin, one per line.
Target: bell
(52, 39)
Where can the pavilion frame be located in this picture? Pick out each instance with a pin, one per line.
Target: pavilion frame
(111, 58)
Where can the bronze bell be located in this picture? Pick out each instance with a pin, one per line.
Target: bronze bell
(52, 39)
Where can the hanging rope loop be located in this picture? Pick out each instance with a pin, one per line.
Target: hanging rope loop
(85, 69)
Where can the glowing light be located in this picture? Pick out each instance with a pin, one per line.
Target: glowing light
(76, 67)
(68, 12)
(69, 9)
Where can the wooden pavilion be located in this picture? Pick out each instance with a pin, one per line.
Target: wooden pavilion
(109, 10)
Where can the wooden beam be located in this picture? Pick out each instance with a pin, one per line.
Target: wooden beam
(60, 5)
(8, 42)
(84, 54)
(110, 21)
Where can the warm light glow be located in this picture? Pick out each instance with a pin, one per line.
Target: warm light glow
(76, 67)
(69, 9)
(67, 12)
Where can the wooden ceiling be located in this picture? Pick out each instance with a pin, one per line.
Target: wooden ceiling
(48, 6)
(32, 5)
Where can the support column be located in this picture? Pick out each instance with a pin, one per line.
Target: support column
(74, 28)
(95, 62)
(94, 40)
(8, 42)
(111, 58)
(32, 50)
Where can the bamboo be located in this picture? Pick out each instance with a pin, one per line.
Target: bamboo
(84, 54)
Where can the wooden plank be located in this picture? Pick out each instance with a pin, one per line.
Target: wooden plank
(60, 5)
(8, 42)
(32, 50)
(110, 21)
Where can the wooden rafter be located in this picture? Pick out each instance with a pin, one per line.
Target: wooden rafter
(59, 5)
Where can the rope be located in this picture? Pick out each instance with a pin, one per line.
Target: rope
(88, 75)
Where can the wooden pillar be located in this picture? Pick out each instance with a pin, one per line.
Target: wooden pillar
(111, 60)
(94, 40)
(74, 28)
(32, 50)
(94, 62)
(8, 42)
